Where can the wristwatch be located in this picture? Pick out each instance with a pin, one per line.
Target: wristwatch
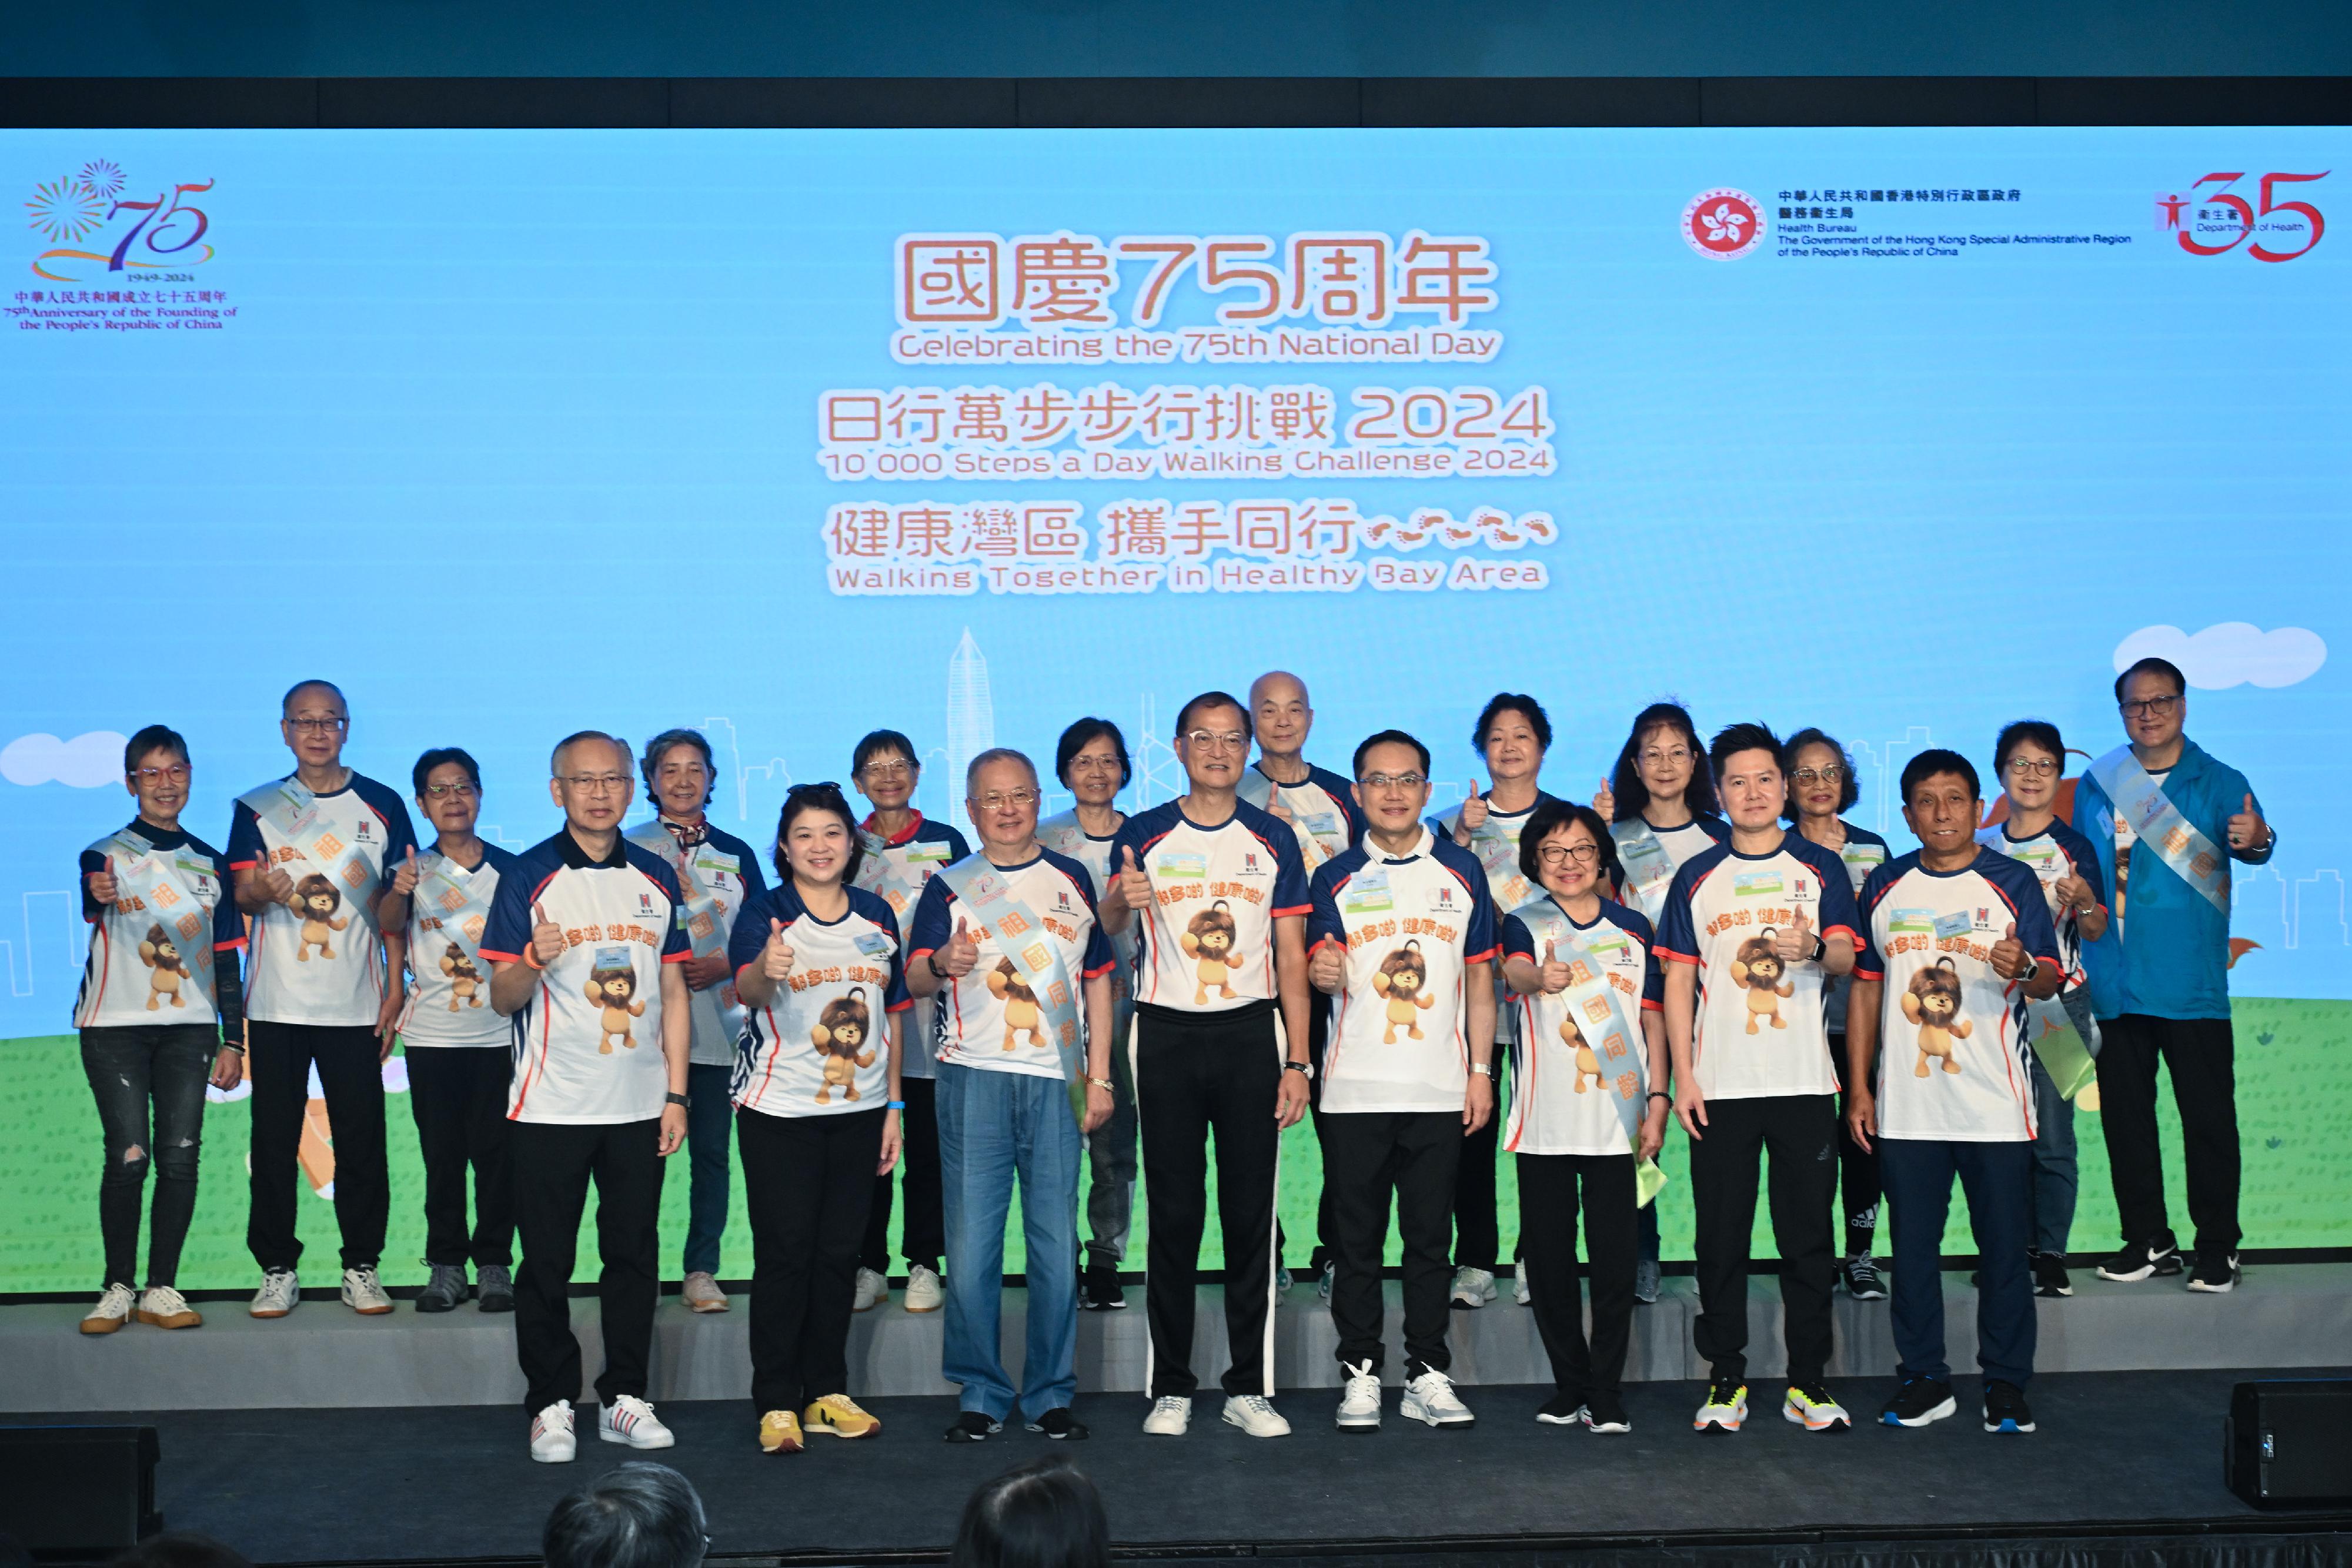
(1820, 947)
(677, 1100)
(1104, 1084)
(1485, 1068)
(932, 962)
(1305, 1067)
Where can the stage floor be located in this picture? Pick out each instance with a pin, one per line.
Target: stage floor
(2139, 1449)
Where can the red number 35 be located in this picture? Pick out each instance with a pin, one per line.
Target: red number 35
(2247, 214)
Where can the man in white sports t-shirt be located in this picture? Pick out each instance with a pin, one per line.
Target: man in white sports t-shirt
(1320, 807)
(588, 959)
(1751, 930)
(1220, 892)
(1956, 938)
(1403, 939)
(1008, 943)
(313, 854)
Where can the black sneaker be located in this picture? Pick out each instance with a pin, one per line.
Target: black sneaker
(1919, 1402)
(1561, 1410)
(1861, 1278)
(2005, 1409)
(2141, 1260)
(1060, 1426)
(1606, 1413)
(2216, 1273)
(494, 1287)
(1100, 1291)
(2050, 1275)
(973, 1426)
(444, 1287)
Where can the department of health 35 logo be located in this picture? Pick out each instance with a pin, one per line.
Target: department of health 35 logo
(1724, 224)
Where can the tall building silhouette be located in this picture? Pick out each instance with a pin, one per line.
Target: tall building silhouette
(972, 713)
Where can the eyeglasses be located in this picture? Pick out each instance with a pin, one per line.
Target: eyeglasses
(1675, 758)
(880, 771)
(2149, 708)
(1393, 780)
(2032, 768)
(443, 791)
(1561, 854)
(1084, 763)
(1832, 775)
(317, 726)
(1217, 739)
(177, 773)
(997, 800)
(595, 783)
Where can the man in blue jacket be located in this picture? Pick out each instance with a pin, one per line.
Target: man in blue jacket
(2166, 820)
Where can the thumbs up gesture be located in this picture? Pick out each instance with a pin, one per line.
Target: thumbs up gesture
(2247, 829)
(102, 888)
(404, 881)
(546, 938)
(960, 953)
(776, 958)
(1554, 973)
(2073, 893)
(1473, 817)
(274, 881)
(1134, 883)
(1279, 808)
(1327, 969)
(1604, 803)
(1794, 942)
(2009, 957)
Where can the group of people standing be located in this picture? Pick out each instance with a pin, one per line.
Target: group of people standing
(1707, 941)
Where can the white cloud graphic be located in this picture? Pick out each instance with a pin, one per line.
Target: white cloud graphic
(85, 762)
(2232, 654)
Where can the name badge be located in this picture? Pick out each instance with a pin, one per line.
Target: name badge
(873, 943)
(1368, 893)
(921, 853)
(1182, 867)
(1322, 824)
(1954, 925)
(1863, 855)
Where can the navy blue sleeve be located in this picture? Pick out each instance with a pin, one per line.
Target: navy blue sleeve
(229, 921)
(677, 946)
(506, 936)
(1323, 912)
(957, 849)
(1839, 910)
(750, 933)
(1869, 963)
(754, 875)
(1654, 975)
(1677, 933)
(1100, 959)
(1290, 895)
(92, 911)
(1713, 826)
(400, 832)
(2023, 890)
(244, 838)
(1517, 941)
(1483, 939)
(2080, 850)
(929, 930)
(499, 861)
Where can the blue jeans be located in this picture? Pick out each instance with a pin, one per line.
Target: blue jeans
(1999, 1181)
(993, 1126)
(2054, 1173)
(1111, 1155)
(709, 1127)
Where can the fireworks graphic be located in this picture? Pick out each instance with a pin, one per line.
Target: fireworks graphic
(103, 176)
(66, 209)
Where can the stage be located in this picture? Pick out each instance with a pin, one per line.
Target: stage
(2121, 1458)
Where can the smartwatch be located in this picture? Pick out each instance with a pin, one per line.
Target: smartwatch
(932, 962)
(1820, 947)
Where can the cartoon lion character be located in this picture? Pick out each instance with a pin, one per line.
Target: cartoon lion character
(1588, 1065)
(844, 1025)
(465, 981)
(162, 954)
(613, 988)
(1757, 966)
(1022, 1014)
(1403, 978)
(1210, 938)
(1932, 1001)
(315, 901)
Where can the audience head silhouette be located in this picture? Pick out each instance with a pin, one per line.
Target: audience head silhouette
(633, 1516)
(1043, 1514)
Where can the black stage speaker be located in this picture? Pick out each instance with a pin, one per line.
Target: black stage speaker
(87, 1492)
(2289, 1444)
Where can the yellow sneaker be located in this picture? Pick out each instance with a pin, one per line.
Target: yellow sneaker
(779, 1433)
(837, 1415)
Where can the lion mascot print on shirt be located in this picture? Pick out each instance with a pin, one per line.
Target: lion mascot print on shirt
(1403, 980)
(1757, 966)
(843, 1026)
(1209, 939)
(1932, 1001)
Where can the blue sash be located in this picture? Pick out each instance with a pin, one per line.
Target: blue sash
(1649, 868)
(162, 883)
(2159, 827)
(1021, 936)
(2066, 1055)
(1622, 1059)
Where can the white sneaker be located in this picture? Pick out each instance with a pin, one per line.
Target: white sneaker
(924, 1292)
(873, 1290)
(629, 1420)
(701, 1294)
(1524, 1291)
(1359, 1405)
(363, 1293)
(551, 1435)
(113, 1310)
(1171, 1414)
(1256, 1414)
(280, 1294)
(1472, 1287)
(1431, 1398)
(162, 1307)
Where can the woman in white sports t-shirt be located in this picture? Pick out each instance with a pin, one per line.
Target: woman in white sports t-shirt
(1660, 791)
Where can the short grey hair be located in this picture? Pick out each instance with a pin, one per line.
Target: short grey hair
(637, 1515)
(993, 754)
(555, 757)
